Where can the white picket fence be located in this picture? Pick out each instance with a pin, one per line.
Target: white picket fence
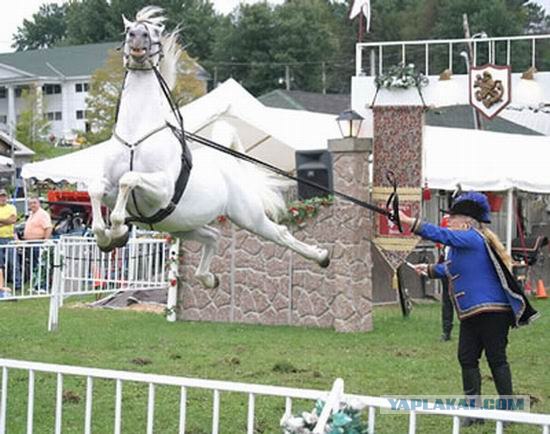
(75, 266)
(141, 264)
(217, 388)
(27, 269)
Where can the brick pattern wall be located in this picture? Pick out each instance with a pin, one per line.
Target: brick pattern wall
(262, 283)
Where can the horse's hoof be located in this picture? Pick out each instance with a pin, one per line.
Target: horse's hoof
(325, 262)
(216, 282)
(121, 241)
(106, 249)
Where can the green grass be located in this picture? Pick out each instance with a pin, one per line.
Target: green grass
(400, 357)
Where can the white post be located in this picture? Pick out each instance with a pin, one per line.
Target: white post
(65, 112)
(331, 405)
(173, 275)
(11, 111)
(53, 320)
(509, 220)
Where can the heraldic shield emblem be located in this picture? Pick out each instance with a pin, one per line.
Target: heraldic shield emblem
(490, 88)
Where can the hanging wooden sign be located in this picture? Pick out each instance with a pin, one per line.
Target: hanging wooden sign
(490, 88)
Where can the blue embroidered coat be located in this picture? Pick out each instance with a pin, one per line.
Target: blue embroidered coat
(478, 280)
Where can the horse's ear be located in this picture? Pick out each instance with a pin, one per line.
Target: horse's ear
(127, 22)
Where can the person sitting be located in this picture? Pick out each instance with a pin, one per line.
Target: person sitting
(486, 297)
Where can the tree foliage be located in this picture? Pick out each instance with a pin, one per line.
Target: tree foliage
(47, 28)
(106, 85)
(312, 40)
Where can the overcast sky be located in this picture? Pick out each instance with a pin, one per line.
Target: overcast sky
(14, 11)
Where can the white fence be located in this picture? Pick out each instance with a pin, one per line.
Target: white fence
(141, 264)
(26, 269)
(153, 382)
(75, 266)
(503, 50)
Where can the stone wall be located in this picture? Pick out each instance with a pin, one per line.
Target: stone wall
(262, 283)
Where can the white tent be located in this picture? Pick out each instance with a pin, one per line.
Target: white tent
(77, 167)
(479, 160)
(485, 160)
(270, 134)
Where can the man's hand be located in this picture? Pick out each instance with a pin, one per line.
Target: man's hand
(405, 218)
(421, 269)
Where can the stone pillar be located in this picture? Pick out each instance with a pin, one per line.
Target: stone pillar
(341, 295)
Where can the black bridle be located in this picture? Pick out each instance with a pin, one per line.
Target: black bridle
(391, 211)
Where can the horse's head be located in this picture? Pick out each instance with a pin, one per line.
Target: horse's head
(142, 45)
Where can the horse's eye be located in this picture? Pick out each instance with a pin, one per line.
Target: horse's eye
(132, 34)
(146, 35)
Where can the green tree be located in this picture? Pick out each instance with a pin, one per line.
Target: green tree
(106, 85)
(47, 27)
(257, 43)
(90, 21)
(32, 127)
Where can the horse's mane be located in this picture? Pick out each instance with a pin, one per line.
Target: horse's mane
(168, 65)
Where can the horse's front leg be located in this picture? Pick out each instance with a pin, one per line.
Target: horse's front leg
(153, 183)
(97, 190)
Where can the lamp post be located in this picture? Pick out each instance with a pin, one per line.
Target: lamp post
(349, 122)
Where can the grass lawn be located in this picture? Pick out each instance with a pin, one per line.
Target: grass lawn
(400, 357)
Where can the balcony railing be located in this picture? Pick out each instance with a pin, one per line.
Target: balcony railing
(435, 55)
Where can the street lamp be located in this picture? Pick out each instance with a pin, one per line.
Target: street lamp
(349, 122)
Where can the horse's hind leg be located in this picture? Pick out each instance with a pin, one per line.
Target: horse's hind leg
(262, 226)
(208, 237)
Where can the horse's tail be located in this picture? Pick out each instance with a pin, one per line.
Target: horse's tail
(268, 186)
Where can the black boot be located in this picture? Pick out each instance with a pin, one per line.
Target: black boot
(503, 383)
(471, 382)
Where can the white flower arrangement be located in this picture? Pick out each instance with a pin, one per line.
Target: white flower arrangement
(347, 420)
(401, 77)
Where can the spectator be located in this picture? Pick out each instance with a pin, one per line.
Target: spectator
(37, 227)
(8, 217)
(39, 224)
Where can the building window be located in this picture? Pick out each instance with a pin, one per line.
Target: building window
(3, 119)
(80, 114)
(3, 92)
(81, 87)
(51, 89)
(19, 90)
(53, 116)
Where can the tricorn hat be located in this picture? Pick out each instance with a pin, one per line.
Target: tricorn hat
(472, 204)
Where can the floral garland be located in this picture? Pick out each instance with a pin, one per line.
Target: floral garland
(347, 420)
(300, 210)
(401, 76)
(297, 211)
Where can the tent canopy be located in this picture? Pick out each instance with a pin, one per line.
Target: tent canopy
(270, 134)
(485, 161)
(478, 160)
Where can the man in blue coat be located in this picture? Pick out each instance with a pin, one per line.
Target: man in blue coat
(483, 291)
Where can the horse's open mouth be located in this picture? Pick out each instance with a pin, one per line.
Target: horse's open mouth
(138, 52)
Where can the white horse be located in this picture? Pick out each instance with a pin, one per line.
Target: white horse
(218, 183)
